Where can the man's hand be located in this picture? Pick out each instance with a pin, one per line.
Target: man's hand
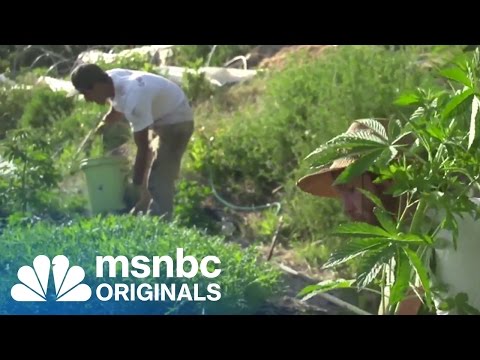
(138, 195)
(143, 203)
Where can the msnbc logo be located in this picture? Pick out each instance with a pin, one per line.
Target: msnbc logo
(34, 281)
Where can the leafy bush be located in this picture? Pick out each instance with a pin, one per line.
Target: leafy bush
(132, 62)
(434, 177)
(188, 205)
(46, 108)
(244, 282)
(12, 104)
(44, 135)
(196, 85)
(33, 174)
(308, 102)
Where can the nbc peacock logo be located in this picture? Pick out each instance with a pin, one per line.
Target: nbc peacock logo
(67, 280)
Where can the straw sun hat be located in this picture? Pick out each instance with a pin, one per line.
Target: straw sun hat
(320, 183)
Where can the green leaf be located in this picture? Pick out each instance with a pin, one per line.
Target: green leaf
(420, 112)
(376, 126)
(407, 99)
(436, 132)
(366, 135)
(358, 167)
(471, 134)
(327, 148)
(456, 101)
(386, 157)
(386, 221)
(331, 152)
(324, 286)
(421, 271)
(360, 228)
(351, 250)
(394, 129)
(456, 74)
(371, 263)
(415, 238)
(402, 279)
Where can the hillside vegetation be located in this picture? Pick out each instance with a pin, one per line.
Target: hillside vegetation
(248, 150)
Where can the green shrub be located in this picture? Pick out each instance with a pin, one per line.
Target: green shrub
(27, 186)
(188, 205)
(196, 86)
(434, 178)
(44, 152)
(244, 282)
(262, 147)
(308, 102)
(12, 104)
(131, 62)
(46, 108)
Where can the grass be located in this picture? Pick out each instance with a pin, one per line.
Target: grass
(245, 281)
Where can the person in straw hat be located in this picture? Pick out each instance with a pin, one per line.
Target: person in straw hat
(356, 206)
(456, 268)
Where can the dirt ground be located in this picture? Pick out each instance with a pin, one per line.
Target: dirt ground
(297, 275)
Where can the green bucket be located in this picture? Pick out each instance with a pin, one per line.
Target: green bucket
(106, 179)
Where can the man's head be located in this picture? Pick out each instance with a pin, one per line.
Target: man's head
(93, 83)
(356, 205)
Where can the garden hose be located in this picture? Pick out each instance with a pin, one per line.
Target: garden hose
(278, 205)
(234, 207)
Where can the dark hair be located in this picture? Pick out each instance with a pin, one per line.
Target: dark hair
(84, 76)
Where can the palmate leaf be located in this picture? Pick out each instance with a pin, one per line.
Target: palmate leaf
(386, 157)
(324, 286)
(358, 167)
(360, 228)
(328, 153)
(365, 230)
(407, 99)
(353, 249)
(417, 114)
(371, 264)
(342, 147)
(458, 75)
(423, 239)
(394, 129)
(376, 126)
(344, 143)
(364, 135)
(436, 131)
(421, 271)
(359, 141)
(385, 220)
(402, 279)
(456, 101)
